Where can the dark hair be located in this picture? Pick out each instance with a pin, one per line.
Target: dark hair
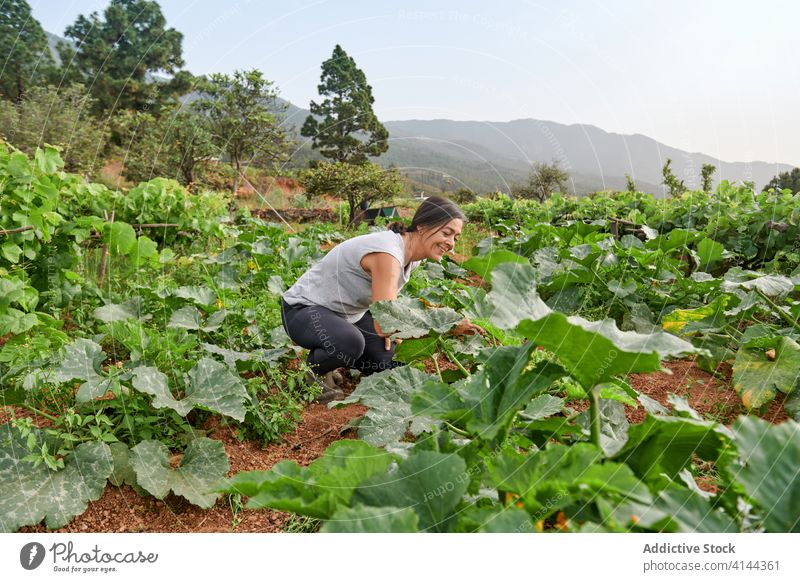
(433, 212)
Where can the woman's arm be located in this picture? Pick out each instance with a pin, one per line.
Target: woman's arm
(385, 272)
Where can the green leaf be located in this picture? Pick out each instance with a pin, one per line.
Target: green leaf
(11, 252)
(485, 265)
(388, 396)
(203, 467)
(144, 251)
(513, 296)
(200, 294)
(665, 444)
(428, 482)
(47, 160)
(769, 285)
(709, 251)
(211, 385)
(189, 317)
(673, 510)
(362, 519)
(410, 319)
(31, 493)
(595, 352)
(622, 289)
(707, 318)
(318, 490)
(485, 403)
(543, 406)
(495, 520)
(412, 350)
(758, 376)
(81, 361)
(120, 238)
(767, 468)
(131, 309)
(560, 475)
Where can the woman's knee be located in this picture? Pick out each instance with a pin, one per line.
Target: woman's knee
(348, 347)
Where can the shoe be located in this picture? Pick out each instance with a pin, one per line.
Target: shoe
(330, 391)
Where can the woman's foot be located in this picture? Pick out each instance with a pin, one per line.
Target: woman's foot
(330, 389)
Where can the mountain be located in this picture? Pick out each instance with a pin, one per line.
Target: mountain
(489, 155)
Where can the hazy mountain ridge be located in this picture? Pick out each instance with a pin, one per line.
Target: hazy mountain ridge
(490, 155)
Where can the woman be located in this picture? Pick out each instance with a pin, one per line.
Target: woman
(327, 310)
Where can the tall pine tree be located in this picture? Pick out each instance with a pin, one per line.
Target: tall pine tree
(343, 126)
(119, 56)
(24, 49)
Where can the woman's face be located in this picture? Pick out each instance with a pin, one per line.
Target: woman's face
(436, 243)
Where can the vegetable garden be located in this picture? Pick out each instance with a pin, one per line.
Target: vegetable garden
(132, 322)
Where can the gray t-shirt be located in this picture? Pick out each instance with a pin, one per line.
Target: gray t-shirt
(339, 283)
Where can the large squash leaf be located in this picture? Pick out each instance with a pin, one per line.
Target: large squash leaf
(318, 490)
(428, 482)
(211, 385)
(410, 319)
(769, 471)
(362, 519)
(485, 403)
(201, 469)
(595, 352)
(31, 493)
(758, 375)
(388, 396)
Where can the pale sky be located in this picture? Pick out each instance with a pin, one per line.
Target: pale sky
(722, 78)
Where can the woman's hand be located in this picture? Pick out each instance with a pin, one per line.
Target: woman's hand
(387, 339)
(466, 327)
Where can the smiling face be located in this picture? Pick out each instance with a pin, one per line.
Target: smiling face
(436, 242)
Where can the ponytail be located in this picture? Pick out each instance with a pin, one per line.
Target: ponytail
(401, 228)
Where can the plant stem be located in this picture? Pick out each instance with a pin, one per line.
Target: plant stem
(436, 363)
(458, 431)
(39, 412)
(594, 415)
(785, 316)
(453, 359)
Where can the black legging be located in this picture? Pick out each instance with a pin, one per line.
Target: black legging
(335, 343)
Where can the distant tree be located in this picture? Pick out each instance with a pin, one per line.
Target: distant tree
(706, 173)
(56, 117)
(464, 196)
(349, 130)
(675, 186)
(239, 110)
(173, 145)
(116, 57)
(631, 185)
(789, 179)
(24, 50)
(358, 184)
(542, 182)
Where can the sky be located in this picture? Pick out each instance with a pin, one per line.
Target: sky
(722, 78)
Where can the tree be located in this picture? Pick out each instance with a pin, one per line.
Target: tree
(240, 119)
(358, 184)
(675, 186)
(60, 118)
(789, 179)
(631, 185)
(542, 182)
(24, 50)
(464, 196)
(348, 130)
(118, 57)
(173, 145)
(706, 173)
